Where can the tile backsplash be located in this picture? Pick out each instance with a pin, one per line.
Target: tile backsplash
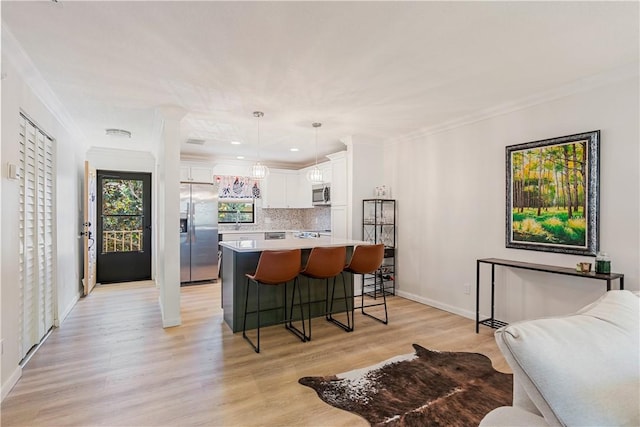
(317, 218)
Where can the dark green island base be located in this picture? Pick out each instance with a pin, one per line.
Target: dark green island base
(241, 257)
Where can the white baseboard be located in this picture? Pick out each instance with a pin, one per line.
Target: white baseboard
(437, 304)
(13, 379)
(68, 309)
(168, 322)
(429, 302)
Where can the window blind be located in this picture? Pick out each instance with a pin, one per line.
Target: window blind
(36, 259)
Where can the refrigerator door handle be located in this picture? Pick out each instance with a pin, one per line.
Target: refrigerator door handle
(191, 208)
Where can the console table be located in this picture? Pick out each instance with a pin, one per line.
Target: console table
(491, 321)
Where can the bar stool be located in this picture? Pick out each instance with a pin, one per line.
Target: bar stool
(367, 259)
(326, 263)
(275, 268)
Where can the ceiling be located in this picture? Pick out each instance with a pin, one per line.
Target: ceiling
(375, 71)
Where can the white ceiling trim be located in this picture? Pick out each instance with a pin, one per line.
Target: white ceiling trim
(610, 77)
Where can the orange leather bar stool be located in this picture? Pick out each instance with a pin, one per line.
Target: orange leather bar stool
(326, 263)
(367, 259)
(275, 268)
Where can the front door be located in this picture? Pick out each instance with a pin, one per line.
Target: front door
(124, 226)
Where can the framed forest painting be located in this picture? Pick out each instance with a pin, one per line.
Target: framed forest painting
(553, 194)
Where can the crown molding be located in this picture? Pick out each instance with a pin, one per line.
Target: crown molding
(592, 82)
(32, 77)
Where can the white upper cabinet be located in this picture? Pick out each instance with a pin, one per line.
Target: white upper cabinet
(185, 174)
(282, 190)
(294, 199)
(191, 173)
(338, 178)
(273, 190)
(326, 172)
(304, 189)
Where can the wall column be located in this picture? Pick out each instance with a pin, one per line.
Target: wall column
(365, 165)
(168, 216)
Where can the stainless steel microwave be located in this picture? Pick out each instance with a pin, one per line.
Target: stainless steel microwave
(321, 195)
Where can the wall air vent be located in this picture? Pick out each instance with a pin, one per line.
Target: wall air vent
(119, 133)
(195, 141)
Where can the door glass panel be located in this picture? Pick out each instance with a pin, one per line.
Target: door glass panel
(122, 215)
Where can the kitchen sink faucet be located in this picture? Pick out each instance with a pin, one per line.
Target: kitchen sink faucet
(237, 226)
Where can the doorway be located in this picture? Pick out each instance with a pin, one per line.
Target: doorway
(124, 226)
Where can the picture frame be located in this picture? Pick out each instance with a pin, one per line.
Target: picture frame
(552, 194)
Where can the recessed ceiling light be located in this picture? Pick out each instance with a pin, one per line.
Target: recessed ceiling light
(118, 132)
(294, 149)
(236, 142)
(240, 157)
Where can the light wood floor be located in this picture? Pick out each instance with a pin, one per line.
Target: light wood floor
(112, 364)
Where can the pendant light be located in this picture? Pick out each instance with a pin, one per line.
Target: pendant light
(314, 175)
(258, 170)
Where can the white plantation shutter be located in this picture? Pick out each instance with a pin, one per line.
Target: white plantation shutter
(37, 283)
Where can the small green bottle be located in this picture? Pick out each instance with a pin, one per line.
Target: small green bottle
(603, 263)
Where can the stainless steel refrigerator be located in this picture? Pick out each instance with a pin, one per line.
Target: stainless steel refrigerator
(198, 232)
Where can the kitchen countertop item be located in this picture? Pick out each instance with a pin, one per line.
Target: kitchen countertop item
(275, 235)
(307, 235)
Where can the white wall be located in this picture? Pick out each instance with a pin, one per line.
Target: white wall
(18, 96)
(450, 188)
(121, 160)
(365, 160)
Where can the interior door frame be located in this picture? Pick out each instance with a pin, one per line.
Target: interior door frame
(116, 261)
(89, 227)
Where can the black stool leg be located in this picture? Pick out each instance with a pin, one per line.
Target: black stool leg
(375, 291)
(289, 321)
(309, 305)
(326, 297)
(256, 347)
(347, 327)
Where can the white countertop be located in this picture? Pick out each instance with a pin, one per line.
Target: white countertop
(284, 244)
(268, 231)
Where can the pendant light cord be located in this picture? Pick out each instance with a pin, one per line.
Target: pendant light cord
(258, 114)
(316, 125)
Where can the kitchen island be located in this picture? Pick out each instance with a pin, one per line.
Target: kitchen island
(241, 257)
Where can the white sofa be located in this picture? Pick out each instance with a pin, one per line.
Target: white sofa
(576, 370)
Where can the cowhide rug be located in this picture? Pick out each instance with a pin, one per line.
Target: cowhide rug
(428, 388)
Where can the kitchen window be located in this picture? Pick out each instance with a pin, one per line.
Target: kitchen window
(236, 211)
